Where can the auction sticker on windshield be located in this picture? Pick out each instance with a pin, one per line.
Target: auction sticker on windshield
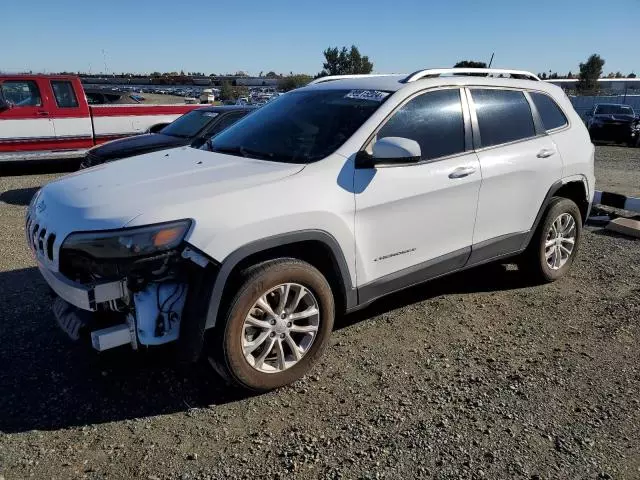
(375, 95)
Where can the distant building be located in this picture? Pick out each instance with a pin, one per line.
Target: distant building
(613, 85)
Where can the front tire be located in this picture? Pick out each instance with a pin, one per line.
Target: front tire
(276, 326)
(555, 243)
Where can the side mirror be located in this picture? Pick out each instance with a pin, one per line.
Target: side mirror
(390, 151)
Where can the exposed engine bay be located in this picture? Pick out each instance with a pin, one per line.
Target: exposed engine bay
(148, 311)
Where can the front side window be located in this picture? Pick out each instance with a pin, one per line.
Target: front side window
(225, 122)
(550, 113)
(503, 116)
(301, 126)
(21, 93)
(189, 124)
(64, 94)
(434, 120)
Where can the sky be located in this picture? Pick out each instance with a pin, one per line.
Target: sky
(286, 36)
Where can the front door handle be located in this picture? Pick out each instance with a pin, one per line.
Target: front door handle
(461, 172)
(546, 153)
(43, 114)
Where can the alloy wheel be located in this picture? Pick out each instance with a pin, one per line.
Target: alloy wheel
(280, 328)
(560, 241)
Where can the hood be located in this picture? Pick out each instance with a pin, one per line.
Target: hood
(137, 144)
(170, 182)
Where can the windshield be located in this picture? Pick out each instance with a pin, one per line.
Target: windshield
(614, 110)
(189, 124)
(301, 126)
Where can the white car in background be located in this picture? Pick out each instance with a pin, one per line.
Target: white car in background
(319, 203)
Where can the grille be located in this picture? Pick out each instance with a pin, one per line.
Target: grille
(40, 240)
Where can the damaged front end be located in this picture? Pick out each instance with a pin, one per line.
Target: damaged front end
(130, 286)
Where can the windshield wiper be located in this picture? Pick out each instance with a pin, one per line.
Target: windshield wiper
(242, 151)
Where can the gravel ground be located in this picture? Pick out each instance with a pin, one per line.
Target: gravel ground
(478, 375)
(618, 170)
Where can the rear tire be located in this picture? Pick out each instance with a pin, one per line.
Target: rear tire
(276, 327)
(555, 243)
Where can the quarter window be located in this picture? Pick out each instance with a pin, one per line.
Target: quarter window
(503, 116)
(434, 120)
(21, 93)
(549, 111)
(65, 96)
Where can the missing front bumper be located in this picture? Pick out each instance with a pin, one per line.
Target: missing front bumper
(86, 297)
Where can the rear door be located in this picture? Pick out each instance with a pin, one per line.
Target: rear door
(27, 125)
(70, 115)
(519, 163)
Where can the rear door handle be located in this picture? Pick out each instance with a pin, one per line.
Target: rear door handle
(546, 153)
(461, 172)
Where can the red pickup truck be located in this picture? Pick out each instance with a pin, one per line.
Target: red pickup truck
(46, 117)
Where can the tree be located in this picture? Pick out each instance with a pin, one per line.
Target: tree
(226, 91)
(569, 75)
(345, 62)
(543, 76)
(272, 75)
(470, 64)
(619, 75)
(631, 75)
(590, 72)
(291, 82)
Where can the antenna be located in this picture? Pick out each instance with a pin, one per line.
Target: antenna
(491, 61)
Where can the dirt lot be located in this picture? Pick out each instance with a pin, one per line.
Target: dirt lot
(479, 375)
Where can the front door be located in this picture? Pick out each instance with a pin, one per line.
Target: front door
(416, 221)
(27, 124)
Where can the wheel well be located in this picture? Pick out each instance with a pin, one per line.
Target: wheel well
(314, 252)
(575, 191)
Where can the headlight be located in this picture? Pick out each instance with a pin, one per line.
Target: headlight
(129, 242)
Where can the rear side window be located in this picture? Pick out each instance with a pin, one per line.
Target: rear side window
(21, 93)
(503, 116)
(64, 93)
(549, 111)
(434, 120)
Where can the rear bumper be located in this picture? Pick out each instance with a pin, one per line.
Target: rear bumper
(86, 297)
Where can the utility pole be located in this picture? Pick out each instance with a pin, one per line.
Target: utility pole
(104, 57)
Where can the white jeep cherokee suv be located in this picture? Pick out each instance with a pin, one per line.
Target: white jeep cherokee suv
(317, 204)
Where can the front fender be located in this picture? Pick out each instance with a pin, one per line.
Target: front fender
(231, 261)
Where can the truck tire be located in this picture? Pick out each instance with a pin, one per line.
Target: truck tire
(555, 243)
(276, 326)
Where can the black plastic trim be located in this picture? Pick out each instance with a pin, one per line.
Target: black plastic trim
(543, 208)
(243, 252)
(413, 275)
(499, 247)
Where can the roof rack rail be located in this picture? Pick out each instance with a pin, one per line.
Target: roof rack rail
(331, 78)
(437, 72)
